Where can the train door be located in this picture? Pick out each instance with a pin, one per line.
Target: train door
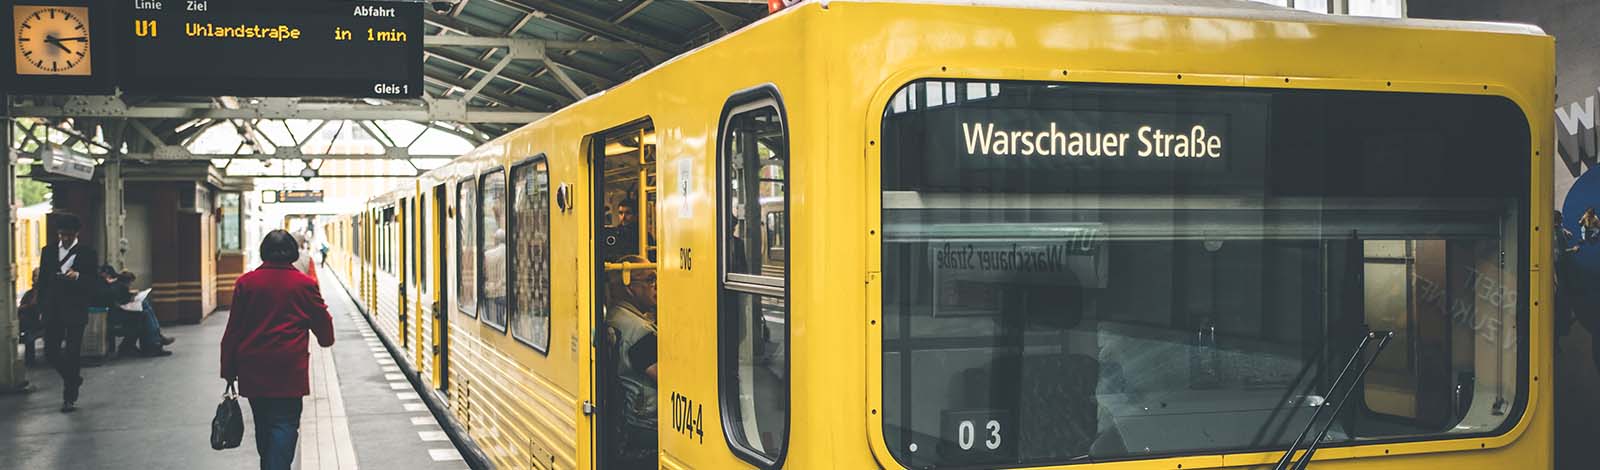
(623, 165)
(441, 288)
(401, 270)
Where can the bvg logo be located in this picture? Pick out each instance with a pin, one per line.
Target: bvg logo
(144, 28)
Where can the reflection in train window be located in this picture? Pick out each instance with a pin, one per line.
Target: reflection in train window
(1062, 284)
(467, 246)
(755, 186)
(530, 200)
(492, 308)
(754, 154)
(419, 228)
(386, 252)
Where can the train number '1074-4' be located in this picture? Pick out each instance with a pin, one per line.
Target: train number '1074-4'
(688, 417)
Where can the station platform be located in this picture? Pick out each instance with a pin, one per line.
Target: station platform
(149, 413)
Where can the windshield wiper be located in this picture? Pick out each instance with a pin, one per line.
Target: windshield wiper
(1383, 338)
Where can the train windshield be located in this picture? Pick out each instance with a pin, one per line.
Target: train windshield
(1081, 272)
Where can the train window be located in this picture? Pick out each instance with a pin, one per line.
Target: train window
(403, 254)
(1078, 273)
(467, 246)
(530, 239)
(753, 151)
(420, 238)
(386, 250)
(492, 308)
(378, 235)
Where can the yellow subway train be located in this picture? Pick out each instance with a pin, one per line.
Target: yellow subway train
(27, 234)
(999, 234)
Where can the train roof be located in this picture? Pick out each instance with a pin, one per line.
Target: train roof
(1222, 9)
(1233, 9)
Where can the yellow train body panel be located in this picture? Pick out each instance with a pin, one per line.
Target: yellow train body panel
(837, 65)
(28, 234)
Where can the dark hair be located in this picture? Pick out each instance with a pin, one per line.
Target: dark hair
(108, 271)
(68, 222)
(279, 247)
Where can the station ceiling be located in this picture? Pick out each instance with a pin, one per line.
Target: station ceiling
(580, 47)
(636, 34)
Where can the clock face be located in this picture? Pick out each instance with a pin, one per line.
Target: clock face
(51, 40)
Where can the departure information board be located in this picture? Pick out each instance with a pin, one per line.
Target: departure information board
(270, 48)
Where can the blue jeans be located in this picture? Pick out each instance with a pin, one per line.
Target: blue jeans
(277, 430)
(151, 339)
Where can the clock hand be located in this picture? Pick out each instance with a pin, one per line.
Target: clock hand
(57, 42)
(79, 38)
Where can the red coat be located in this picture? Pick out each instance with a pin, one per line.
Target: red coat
(266, 346)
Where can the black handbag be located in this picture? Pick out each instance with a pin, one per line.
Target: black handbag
(227, 428)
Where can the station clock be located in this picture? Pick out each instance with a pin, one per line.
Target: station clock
(52, 40)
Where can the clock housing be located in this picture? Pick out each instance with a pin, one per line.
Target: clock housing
(91, 74)
(52, 40)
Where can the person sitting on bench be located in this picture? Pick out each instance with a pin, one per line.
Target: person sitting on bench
(32, 325)
(147, 337)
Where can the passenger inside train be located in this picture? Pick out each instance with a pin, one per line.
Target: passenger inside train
(631, 325)
(623, 237)
(628, 362)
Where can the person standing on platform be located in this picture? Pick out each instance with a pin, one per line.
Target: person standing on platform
(275, 308)
(1589, 225)
(1566, 278)
(64, 289)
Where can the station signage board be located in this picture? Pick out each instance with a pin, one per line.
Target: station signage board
(278, 48)
(291, 195)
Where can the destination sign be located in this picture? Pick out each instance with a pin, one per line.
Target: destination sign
(276, 48)
(1112, 144)
(1091, 137)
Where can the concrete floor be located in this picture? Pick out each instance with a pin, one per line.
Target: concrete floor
(381, 423)
(155, 413)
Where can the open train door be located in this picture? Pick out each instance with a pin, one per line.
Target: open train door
(622, 166)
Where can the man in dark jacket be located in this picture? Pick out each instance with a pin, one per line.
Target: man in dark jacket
(65, 286)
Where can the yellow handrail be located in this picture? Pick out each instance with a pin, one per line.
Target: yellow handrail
(627, 269)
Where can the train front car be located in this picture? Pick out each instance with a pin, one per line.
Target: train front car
(964, 234)
(1140, 236)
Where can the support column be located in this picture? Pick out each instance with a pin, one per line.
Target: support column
(13, 376)
(114, 244)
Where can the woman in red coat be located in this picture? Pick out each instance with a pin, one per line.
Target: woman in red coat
(266, 347)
